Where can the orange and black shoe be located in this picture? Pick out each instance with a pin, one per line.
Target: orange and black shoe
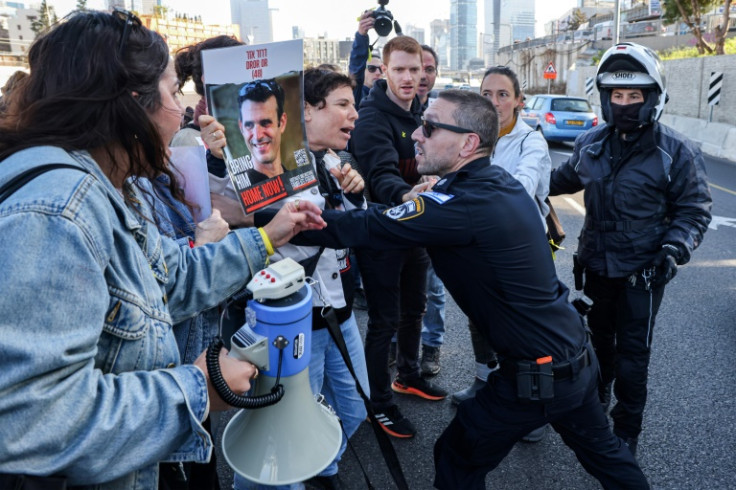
(394, 424)
(419, 387)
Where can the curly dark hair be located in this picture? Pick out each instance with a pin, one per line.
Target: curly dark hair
(94, 81)
(318, 84)
(188, 61)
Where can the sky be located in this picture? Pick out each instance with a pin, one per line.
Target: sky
(336, 18)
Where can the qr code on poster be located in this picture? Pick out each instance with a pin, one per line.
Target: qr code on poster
(301, 180)
(301, 157)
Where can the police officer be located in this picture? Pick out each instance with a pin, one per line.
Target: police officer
(647, 207)
(488, 245)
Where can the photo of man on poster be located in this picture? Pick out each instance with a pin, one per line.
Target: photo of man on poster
(253, 91)
(262, 122)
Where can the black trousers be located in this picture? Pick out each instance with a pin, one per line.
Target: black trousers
(395, 284)
(486, 428)
(622, 324)
(482, 351)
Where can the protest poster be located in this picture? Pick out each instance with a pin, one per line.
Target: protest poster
(256, 92)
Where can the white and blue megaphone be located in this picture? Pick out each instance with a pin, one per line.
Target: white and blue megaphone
(285, 435)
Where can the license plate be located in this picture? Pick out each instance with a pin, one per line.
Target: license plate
(574, 122)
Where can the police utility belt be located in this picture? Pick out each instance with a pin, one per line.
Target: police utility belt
(535, 379)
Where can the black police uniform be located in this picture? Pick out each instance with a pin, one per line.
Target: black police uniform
(487, 244)
(639, 195)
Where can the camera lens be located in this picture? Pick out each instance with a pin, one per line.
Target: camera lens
(383, 18)
(383, 26)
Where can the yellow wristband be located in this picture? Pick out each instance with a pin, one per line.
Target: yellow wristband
(266, 241)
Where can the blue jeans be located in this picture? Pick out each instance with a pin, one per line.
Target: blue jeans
(433, 325)
(329, 375)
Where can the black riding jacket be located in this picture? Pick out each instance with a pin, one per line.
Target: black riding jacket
(637, 197)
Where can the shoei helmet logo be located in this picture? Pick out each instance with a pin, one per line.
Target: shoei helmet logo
(408, 210)
(624, 75)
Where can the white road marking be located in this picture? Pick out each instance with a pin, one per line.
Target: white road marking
(577, 207)
(563, 153)
(721, 221)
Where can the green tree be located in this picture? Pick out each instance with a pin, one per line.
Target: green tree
(721, 29)
(160, 11)
(82, 5)
(691, 13)
(46, 18)
(577, 19)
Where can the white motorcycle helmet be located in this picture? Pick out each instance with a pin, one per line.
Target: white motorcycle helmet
(630, 65)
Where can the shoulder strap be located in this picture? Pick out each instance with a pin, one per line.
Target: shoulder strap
(387, 448)
(24, 177)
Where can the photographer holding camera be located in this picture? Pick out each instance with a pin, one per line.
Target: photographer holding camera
(365, 68)
(365, 65)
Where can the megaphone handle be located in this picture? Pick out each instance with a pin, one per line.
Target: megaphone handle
(229, 396)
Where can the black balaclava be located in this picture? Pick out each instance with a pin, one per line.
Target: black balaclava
(626, 117)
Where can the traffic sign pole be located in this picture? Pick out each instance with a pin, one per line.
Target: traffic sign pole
(550, 73)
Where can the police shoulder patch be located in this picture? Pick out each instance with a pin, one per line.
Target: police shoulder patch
(408, 210)
(438, 197)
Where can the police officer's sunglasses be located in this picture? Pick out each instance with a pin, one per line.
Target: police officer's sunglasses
(373, 68)
(429, 126)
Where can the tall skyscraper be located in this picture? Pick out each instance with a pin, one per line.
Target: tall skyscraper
(439, 39)
(415, 31)
(506, 21)
(463, 32)
(254, 19)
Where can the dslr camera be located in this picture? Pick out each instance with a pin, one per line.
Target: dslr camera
(384, 18)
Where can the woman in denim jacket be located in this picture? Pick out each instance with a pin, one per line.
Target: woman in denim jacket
(92, 390)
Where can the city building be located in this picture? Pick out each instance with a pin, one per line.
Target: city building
(180, 32)
(505, 23)
(321, 50)
(416, 32)
(20, 32)
(7, 12)
(463, 33)
(132, 5)
(439, 39)
(595, 11)
(254, 19)
(344, 49)
(148, 7)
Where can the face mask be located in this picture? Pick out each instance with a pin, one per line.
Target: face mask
(626, 117)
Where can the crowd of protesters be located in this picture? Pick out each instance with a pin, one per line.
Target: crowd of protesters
(112, 289)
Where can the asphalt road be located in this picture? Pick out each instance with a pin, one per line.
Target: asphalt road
(689, 438)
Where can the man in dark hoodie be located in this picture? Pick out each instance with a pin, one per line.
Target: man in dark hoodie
(395, 280)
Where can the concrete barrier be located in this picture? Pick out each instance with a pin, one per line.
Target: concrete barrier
(729, 146)
(715, 139)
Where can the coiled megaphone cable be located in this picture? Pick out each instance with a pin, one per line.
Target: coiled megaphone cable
(212, 359)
